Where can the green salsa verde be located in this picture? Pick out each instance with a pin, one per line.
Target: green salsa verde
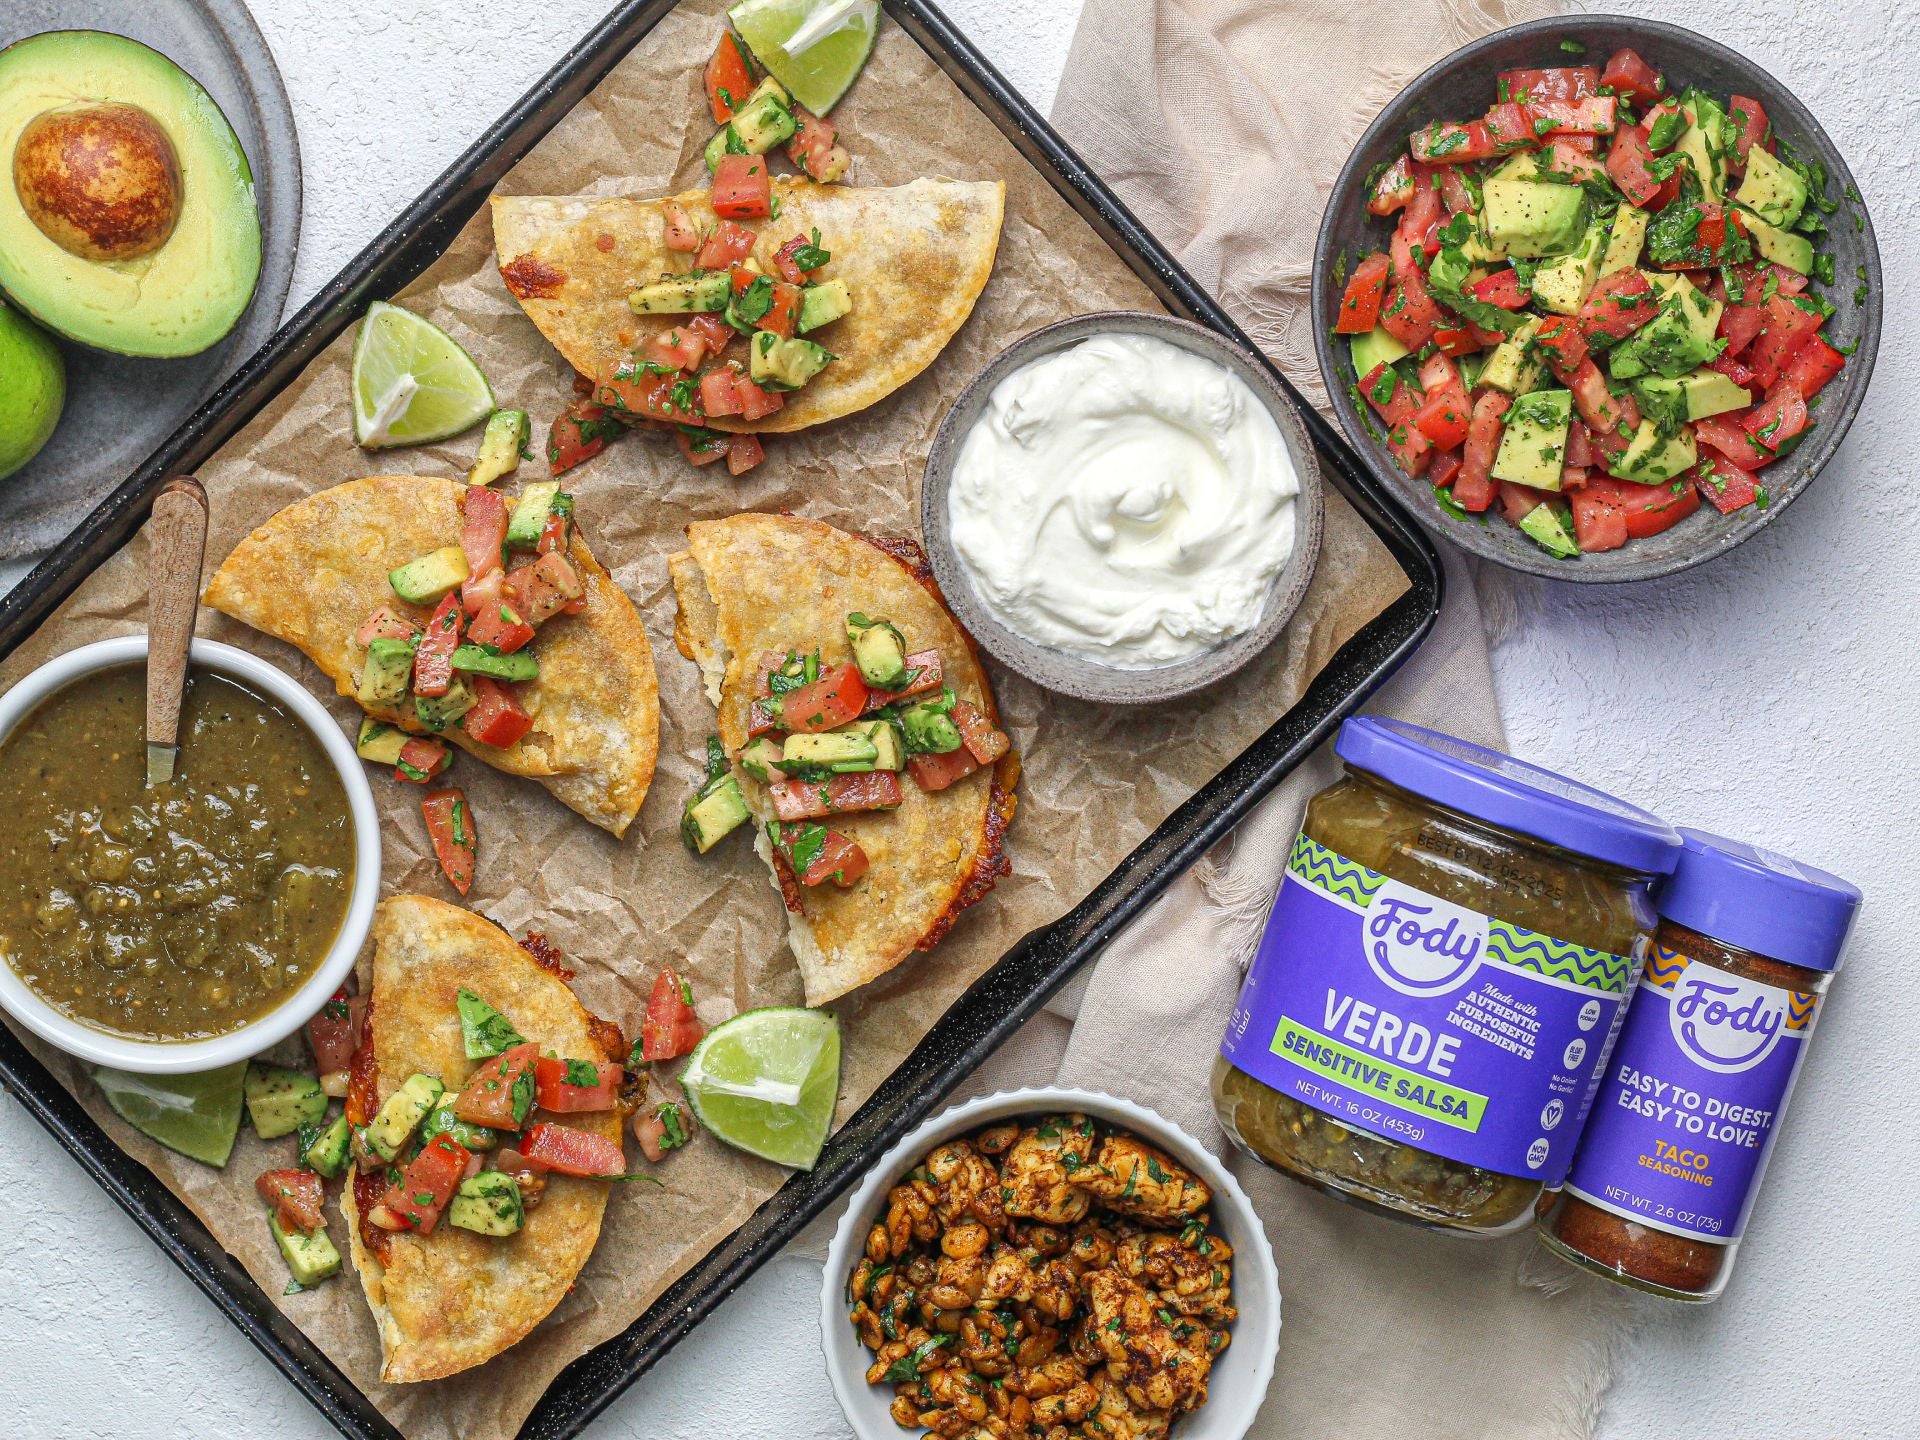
(180, 911)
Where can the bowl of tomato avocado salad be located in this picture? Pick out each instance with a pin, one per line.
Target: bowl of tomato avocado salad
(1598, 295)
(175, 928)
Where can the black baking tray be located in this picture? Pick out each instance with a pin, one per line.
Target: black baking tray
(990, 1011)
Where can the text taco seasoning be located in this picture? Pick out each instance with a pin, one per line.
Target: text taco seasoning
(1668, 1167)
(1430, 1010)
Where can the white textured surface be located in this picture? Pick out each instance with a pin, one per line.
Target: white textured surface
(1768, 695)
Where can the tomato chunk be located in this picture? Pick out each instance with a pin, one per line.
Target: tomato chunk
(1502, 288)
(1723, 484)
(433, 656)
(1444, 420)
(924, 676)
(787, 260)
(568, 1151)
(1754, 128)
(743, 188)
(937, 772)
(455, 840)
(678, 349)
(542, 588)
(670, 1028)
(497, 718)
(1393, 188)
(421, 759)
(296, 1197)
(1452, 143)
(1395, 403)
(1630, 165)
(385, 623)
(1647, 509)
(579, 434)
(727, 245)
(681, 234)
(483, 530)
(842, 795)
(431, 1177)
(1598, 523)
(729, 79)
(1572, 82)
(1627, 74)
(1360, 305)
(983, 740)
(743, 453)
(719, 391)
(815, 147)
(755, 403)
(330, 1034)
(1816, 363)
(1565, 346)
(1618, 305)
(500, 1093)
(784, 311)
(1778, 418)
(1591, 115)
(500, 626)
(576, 1086)
(1785, 331)
(839, 695)
(1473, 486)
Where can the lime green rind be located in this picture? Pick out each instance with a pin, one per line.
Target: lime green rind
(394, 347)
(822, 73)
(784, 1044)
(196, 1115)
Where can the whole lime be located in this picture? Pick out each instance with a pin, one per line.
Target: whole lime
(33, 387)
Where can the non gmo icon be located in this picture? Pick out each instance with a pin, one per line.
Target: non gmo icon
(1537, 1153)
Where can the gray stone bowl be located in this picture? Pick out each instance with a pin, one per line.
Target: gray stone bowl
(1075, 675)
(1461, 87)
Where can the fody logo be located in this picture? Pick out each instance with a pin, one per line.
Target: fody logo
(1726, 1023)
(1420, 944)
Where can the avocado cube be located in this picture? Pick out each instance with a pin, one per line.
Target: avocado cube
(436, 712)
(1782, 247)
(1510, 368)
(761, 759)
(478, 660)
(682, 294)
(725, 141)
(1376, 347)
(380, 742)
(786, 363)
(503, 444)
(487, 1204)
(1656, 456)
(1550, 523)
(841, 750)
(529, 518)
(1624, 243)
(280, 1101)
(1562, 286)
(822, 304)
(1696, 396)
(384, 675)
(388, 1131)
(1533, 447)
(426, 580)
(310, 1258)
(890, 752)
(879, 649)
(763, 122)
(1772, 189)
(1683, 335)
(1521, 165)
(929, 727)
(327, 1151)
(715, 812)
(442, 1121)
(484, 1031)
(1534, 218)
(1707, 167)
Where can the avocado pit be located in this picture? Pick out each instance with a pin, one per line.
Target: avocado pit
(100, 179)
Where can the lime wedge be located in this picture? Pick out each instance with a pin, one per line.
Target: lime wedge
(412, 383)
(813, 47)
(198, 1115)
(765, 1082)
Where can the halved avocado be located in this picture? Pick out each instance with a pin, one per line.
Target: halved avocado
(131, 223)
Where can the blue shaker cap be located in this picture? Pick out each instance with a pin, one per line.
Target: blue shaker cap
(1759, 901)
(1509, 794)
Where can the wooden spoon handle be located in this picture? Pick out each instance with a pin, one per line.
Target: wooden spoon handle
(177, 536)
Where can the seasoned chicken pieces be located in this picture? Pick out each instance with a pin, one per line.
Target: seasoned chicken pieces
(1044, 1282)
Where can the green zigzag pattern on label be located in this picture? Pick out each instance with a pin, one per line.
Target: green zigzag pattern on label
(1529, 950)
(1333, 872)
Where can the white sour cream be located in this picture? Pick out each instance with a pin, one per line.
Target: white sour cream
(1124, 500)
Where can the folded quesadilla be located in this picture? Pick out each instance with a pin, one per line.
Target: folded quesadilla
(395, 586)
(451, 1288)
(912, 261)
(857, 729)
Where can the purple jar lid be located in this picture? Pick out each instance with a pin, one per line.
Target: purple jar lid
(1759, 901)
(1509, 794)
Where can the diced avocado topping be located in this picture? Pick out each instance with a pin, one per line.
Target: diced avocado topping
(785, 363)
(530, 512)
(1533, 218)
(879, 649)
(1533, 447)
(484, 1030)
(1510, 368)
(442, 1121)
(1376, 347)
(479, 660)
(425, 580)
(1562, 285)
(840, 751)
(1551, 524)
(1683, 335)
(387, 1133)
(327, 1151)
(683, 294)
(503, 445)
(928, 726)
(1657, 454)
(487, 1204)
(716, 810)
(823, 304)
(280, 1101)
(725, 141)
(889, 750)
(384, 675)
(1772, 189)
(761, 759)
(1782, 247)
(310, 1258)
(1628, 235)
(766, 119)
(1696, 396)
(436, 712)
(378, 741)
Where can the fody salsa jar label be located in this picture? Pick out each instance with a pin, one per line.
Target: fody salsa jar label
(1692, 1099)
(1413, 1018)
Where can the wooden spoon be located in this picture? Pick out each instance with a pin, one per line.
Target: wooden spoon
(177, 536)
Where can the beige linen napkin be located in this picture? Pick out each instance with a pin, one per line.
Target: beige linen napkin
(1222, 124)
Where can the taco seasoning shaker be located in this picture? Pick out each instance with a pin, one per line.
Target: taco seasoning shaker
(1429, 1013)
(1671, 1159)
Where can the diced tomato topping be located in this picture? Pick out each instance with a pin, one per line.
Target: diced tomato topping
(500, 1093)
(1591, 115)
(983, 740)
(431, 1177)
(834, 857)
(1445, 467)
(1360, 305)
(1507, 123)
(1473, 487)
(1450, 143)
(568, 1151)
(1563, 343)
(1723, 484)
(1443, 420)
(555, 534)
(1502, 288)
(1579, 445)
(937, 772)
(1786, 331)
(478, 596)
(1778, 418)
(701, 447)
(1618, 305)
(787, 260)
(433, 656)
(385, 623)
(296, 1197)
(839, 695)
(1733, 370)
(1630, 165)
(784, 313)
(726, 246)
(1646, 509)
(1813, 365)
(1572, 82)
(815, 147)
(1519, 501)
(673, 398)
(1572, 156)
(1410, 314)
(1598, 523)
(501, 627)
(1627, 74)
(497, 718)
(455, 840)
(483, 530)
(1453, 190)
(743, 453)
(1460, 341)
(842, 795)
(330, 1034)
(421, 759)
(1755, 128)
(544, 587)
(670, 1028)
(743, 188)
(756, 403)
(575, 1086)
(579, 434)
(682, 234)
(1425, 212)
(1604, 413)
(719, 394)
(1393, 188)
(1396, 404)
(678, 349)
(729, 79)
(1724, 434)
(923, 677)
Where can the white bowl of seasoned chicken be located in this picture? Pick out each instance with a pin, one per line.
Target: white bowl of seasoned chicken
(1050, 1264)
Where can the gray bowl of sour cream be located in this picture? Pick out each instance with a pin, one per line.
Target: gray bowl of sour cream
(1123, 507)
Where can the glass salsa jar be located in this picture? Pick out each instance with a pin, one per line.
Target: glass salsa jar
(1430, 1009)
(1667, 1169)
